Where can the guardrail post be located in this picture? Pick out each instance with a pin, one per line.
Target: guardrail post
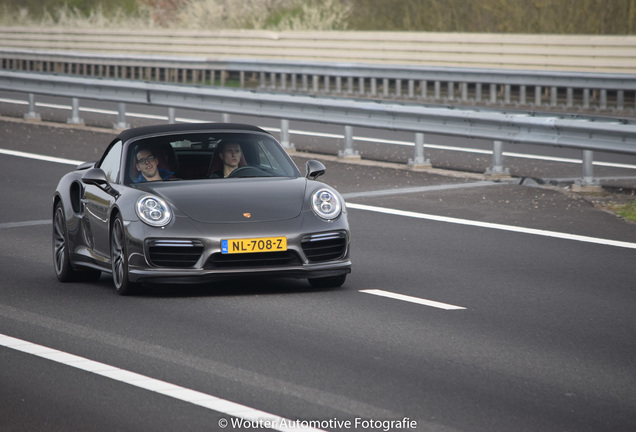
(226, 118)
(171, 115)
(588, 171)
(418, 161)
(493, 93)
(32, 115)
(121, 118)
(553, 96)
(75, 118)
(348, 152)
(284, 135)
(497, 168)
(537, 96)
(603, 100)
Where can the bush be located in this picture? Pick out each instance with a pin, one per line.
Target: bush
(490, 16)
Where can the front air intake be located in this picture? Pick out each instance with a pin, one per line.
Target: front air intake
(325, 247)
(174, 253)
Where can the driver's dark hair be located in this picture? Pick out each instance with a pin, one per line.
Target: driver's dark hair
(141, 147)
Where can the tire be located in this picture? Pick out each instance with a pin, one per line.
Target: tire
(328, 282)
(64, 270)
(119, 259)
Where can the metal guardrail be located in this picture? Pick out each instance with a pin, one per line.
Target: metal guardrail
(570, 91)
(588, 134)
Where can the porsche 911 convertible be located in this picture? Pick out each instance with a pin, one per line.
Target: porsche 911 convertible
(184, 203)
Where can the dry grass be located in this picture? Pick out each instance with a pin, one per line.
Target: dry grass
(276, 15)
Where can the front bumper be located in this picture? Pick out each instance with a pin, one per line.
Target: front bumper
(182, 254)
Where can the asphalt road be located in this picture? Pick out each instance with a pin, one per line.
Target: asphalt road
(542, 339)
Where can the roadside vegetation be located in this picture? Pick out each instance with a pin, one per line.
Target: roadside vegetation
(627, 211)
(493, 16)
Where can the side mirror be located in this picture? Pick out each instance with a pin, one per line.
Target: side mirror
(85, 165)
(314, 169)
(95, 176)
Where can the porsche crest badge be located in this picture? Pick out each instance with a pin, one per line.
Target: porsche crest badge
(247, 215)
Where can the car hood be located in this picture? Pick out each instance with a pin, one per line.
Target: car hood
(236, 200)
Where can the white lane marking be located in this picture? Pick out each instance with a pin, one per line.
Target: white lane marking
(39, 157)
(252, 416)
(523, 230)
(399, 212)
(333, 136)
(420, 189)
(411, 299)
(24, 224)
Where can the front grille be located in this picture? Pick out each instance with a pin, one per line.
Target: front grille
(253, 260)
(174, 253)
(325, 247)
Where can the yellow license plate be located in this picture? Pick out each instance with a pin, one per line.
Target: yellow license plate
(263, 244)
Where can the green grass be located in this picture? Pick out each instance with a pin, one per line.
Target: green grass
(627, 211)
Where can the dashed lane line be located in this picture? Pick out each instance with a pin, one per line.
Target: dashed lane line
(411, 299)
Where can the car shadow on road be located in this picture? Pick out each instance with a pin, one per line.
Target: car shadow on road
(242, 286)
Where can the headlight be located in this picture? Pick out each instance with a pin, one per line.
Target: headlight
(154, 211)
(326, 204)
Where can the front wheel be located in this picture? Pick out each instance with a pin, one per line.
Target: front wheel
(119, 259)
(328, 282)
(64, 270)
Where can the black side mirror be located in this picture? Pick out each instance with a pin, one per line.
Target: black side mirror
(95, 176)
(314, 169)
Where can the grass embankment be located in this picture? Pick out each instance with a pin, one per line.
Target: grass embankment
(627, 211)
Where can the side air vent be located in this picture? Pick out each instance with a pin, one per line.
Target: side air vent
(325, 247)
(174, 253)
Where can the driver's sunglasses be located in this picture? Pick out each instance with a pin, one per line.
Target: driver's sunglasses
(143, 161)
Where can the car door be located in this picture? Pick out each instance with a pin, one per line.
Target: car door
(98, 202)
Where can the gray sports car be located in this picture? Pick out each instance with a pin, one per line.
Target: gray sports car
(197, 202)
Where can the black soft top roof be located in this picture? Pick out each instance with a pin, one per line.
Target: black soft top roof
(184, 127)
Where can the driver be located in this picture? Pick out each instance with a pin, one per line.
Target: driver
(148, 167)
(230, 153)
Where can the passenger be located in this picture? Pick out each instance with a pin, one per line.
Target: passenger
(148, 167)
(232, 157)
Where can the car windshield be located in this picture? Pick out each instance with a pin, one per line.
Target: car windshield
(210, 155)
